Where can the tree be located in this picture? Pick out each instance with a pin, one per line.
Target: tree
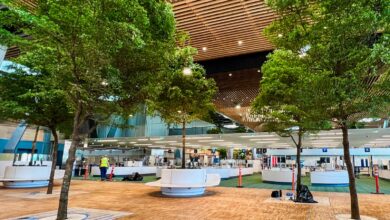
(34, 98)
(285, 103)
(184, 94)
(81, 42)
(346, 45)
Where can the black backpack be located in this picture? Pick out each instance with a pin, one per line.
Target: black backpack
(276, 194)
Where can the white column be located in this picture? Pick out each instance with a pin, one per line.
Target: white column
(3, 50)
(254, 156)
(231, 150)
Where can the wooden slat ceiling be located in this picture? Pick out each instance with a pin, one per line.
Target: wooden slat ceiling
(219, 25)
(236, 91)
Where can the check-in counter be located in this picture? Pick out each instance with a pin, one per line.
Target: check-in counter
(329, 178)
(278, 176)
(384, 174)
(225, 173)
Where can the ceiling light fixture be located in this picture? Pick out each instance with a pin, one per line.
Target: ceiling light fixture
(204, 49)
(240, 42)
(104, 83)
(187, 71)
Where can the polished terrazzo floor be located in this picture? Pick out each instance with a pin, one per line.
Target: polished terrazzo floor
(220, 203)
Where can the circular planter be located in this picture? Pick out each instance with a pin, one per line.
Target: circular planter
(185, 182)
(26, 176)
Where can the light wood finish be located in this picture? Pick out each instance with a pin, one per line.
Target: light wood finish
(217, 25)
(221, 203)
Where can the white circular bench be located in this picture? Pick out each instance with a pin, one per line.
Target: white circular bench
(28, 176)
(185, 182)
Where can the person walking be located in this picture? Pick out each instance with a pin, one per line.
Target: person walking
(104, 164)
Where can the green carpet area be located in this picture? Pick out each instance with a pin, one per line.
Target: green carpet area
(119, 179)
(364, 184)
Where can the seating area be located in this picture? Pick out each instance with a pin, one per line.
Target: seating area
(185, 182)
(195, 109)
(28, 176)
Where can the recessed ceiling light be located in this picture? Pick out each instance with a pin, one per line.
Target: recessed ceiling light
(239, 42)
(204, 49)
(187, 71)
(230, 74)
(238, 106)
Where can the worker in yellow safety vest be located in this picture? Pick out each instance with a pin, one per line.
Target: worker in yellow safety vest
(104, 164)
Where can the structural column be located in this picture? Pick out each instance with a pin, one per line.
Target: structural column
(3, 51)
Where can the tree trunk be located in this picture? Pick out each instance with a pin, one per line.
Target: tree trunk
(298, 162)
(34, 145)
(183, 138)
(53, 161)
(63, 204)
(352, 186)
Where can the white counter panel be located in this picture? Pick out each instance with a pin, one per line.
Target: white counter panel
(225, 173)
(278, 176)
(330, 178)
(385, 174)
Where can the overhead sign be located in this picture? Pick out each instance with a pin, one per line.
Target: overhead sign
(324, 150)
(366, 149)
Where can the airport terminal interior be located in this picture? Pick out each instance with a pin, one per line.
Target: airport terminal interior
(230, 163)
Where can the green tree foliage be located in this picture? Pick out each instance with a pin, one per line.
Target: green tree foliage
(285, 102)
(181, 98)
(345, 44)
(32, 96)
(222, 153)
(87, 47)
